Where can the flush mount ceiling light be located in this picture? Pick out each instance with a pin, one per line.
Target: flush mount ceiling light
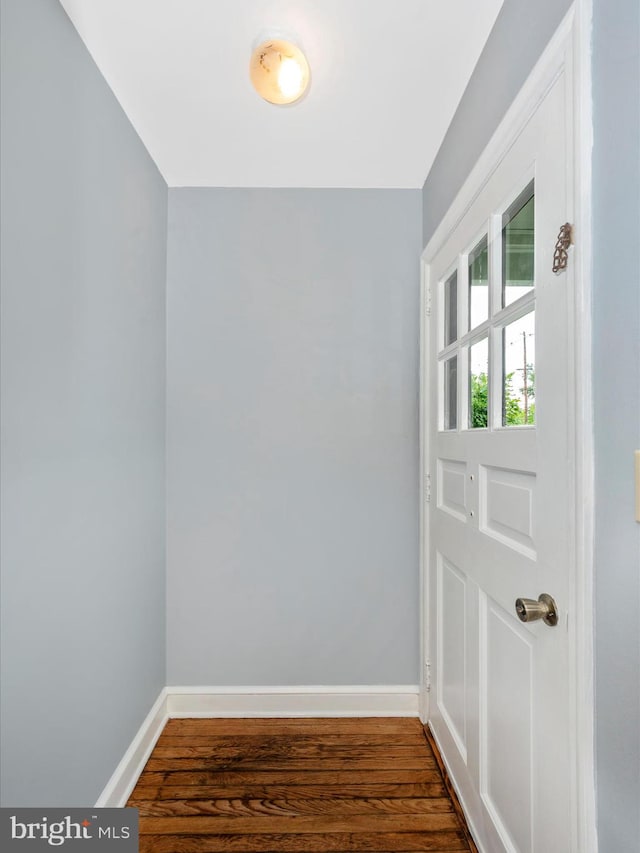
(279, 71)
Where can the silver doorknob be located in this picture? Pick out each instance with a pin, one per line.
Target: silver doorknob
(528, 609)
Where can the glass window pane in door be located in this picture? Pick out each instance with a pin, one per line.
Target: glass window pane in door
(479, 384)
(451, 393)
(519, 372)
(451, 309)
(518, 248)
(479, 284)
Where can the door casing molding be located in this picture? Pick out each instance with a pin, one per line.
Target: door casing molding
(570, 51)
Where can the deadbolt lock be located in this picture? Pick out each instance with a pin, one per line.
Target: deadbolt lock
(529, 610)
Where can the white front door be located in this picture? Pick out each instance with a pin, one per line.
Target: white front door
(500, 513)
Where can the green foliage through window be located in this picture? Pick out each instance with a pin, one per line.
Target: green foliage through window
(479, 401)
(519, 408)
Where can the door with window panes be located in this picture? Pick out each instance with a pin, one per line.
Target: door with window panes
(499, 524)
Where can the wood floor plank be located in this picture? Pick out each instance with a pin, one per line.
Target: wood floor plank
(294, 807)
(291, 749)
(240, 825)
(327, 762)
(329, 792)
(365, 842)
(287, 785)
(288, 777)
(413, 739)
(300, 725)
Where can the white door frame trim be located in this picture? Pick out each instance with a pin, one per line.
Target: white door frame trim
(569, 48)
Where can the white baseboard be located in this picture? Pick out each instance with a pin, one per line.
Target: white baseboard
(356, 701)
(124, 778)
(313, 701)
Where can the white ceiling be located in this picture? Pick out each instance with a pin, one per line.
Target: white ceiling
(387, 76)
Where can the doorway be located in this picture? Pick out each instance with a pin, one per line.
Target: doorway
(501, 437)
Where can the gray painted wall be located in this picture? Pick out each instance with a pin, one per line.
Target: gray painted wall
(293, 436)
(616, 359)
(502, 68)
(83, 349)
(519, 35)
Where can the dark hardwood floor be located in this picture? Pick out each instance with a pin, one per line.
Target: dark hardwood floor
(333, 785)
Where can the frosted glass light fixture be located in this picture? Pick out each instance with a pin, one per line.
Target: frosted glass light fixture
(279, 71)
